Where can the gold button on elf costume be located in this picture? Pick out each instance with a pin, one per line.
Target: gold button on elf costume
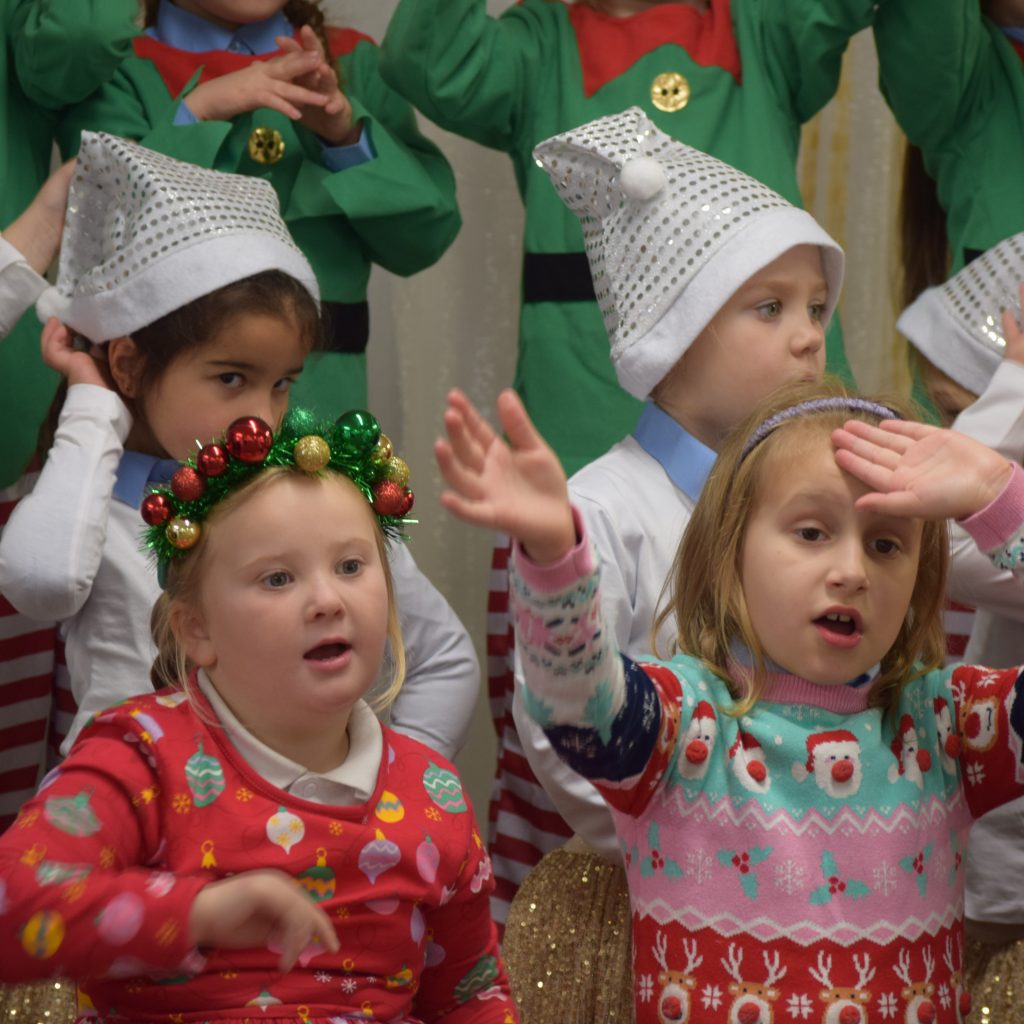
(670, 91)
(266, 146)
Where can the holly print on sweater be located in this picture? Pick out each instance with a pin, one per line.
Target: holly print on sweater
(99, 871)
(802, 861)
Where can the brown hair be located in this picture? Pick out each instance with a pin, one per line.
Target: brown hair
(172, 666)
(924, 244)
(298, 12)
(706, 592)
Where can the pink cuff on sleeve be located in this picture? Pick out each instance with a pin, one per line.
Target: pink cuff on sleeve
(576, 563)
(998, 521)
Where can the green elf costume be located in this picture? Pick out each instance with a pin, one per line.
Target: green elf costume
(396, 208)
(955, 83)
(736, 80)
(53, 54)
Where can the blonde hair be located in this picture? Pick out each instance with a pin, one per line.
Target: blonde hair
(172, 666)
(706, 593)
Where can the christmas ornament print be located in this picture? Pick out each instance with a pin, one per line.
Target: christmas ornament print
(42, 935)
(377, 856)
(263, 1000)
(484, 971)
(72, 814)
(444, 789)
(120, 920)
(285, 829)
(389, 808)
(428, 858)
(205, 777)
(319, 881)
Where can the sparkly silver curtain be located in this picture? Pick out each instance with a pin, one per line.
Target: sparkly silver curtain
(454, 325)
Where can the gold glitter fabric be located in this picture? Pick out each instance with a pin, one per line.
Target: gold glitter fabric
(47, 1002)
(567, 942)
(994, 976)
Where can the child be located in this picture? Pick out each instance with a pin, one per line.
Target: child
(971, 349)
(793, 831)
(221, 86)
(255, 836)
(724, 332)
(199, 307)
(52, 54)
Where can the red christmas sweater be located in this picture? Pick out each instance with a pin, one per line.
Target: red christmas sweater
(99, 871)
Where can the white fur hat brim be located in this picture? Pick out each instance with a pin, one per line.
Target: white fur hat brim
(644, 361)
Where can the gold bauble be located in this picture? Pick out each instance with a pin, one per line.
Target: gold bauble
(384, 450)
(312, 453)
(398, 470)
(182, 533)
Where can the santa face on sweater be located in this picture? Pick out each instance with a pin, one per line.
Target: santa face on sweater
(827, 586)
(292, 614)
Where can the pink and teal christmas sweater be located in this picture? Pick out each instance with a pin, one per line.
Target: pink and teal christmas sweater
(801, 862)
(99, 871)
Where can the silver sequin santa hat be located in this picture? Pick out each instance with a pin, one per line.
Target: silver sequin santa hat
(671, 233)
(145, 234)
(958, 325)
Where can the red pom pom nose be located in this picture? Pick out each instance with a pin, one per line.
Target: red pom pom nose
(696, 751)
(926, 1013)
(924, 760)
(757, 771)
(672, 1008)
(748, 1013)
(842, 771)
(850, 1015)
(973, 725)
(952, 745)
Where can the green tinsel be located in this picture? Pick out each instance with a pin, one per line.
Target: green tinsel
(354, 453)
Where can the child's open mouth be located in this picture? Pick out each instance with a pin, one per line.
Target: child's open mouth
(326, 652)
(839, 628)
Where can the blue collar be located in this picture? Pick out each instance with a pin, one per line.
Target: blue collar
(135, 472)
(686, 460)
(185, 31)
(1015, 32)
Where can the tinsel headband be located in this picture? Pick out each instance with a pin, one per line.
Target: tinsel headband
(353, 446)
(815, 405)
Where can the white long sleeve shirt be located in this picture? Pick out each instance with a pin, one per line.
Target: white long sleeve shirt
(20, 286)
(71, 553)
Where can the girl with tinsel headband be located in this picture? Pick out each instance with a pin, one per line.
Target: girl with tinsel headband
(194, 306)
(794, 789)
(256, 834)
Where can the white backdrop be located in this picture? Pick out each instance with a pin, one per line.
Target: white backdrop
(455, 324)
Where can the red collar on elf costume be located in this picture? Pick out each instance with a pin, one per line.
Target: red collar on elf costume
(609, 46)
(177, 67)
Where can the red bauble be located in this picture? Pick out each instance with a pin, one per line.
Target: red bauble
(156, 509)
(388, 498)
(212, 460)
(406, 504)
(249, 439)
(187, 484)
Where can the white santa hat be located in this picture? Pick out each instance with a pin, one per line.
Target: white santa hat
(671, 233)
(145, 234)
(825, 743)
(958, 325)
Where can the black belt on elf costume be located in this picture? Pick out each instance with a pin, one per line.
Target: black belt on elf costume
(557, 277)
(346, 326)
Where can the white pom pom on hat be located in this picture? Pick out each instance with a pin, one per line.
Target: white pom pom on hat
(642, 178)
(52, 303)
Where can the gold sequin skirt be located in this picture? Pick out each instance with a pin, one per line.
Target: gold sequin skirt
(568, 941)
(46, 1002)
(994, 976)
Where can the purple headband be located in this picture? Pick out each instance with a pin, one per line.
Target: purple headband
(815, 405)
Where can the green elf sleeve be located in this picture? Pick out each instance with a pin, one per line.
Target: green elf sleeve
(465, 70)
(64, 49)
(401, 203)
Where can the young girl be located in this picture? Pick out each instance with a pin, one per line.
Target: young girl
(792, 793)
(969, 342)
(274, 94)
(256, 838)
(207, 310)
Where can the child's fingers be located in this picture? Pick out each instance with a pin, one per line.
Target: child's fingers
(473, 512)
(463, 479)
(516, 423)
(475, 426)
(288, 44)
(899, 503)
(877, 477)
(867, 449)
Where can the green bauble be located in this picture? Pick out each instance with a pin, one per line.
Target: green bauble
(358, 431)
(298, 423)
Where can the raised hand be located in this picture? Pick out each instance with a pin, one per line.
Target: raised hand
(270, 83)
(260, 908)
(517, 487)
(36, 233)
(333, 121)
(61, 352)
(920, 470)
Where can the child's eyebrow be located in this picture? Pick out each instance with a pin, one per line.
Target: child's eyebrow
(241, 364)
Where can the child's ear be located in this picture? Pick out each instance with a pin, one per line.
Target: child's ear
(189, 628)
(125, 362)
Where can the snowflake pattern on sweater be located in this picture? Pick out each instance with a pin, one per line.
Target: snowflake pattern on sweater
(801, 862)
(99, 871)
